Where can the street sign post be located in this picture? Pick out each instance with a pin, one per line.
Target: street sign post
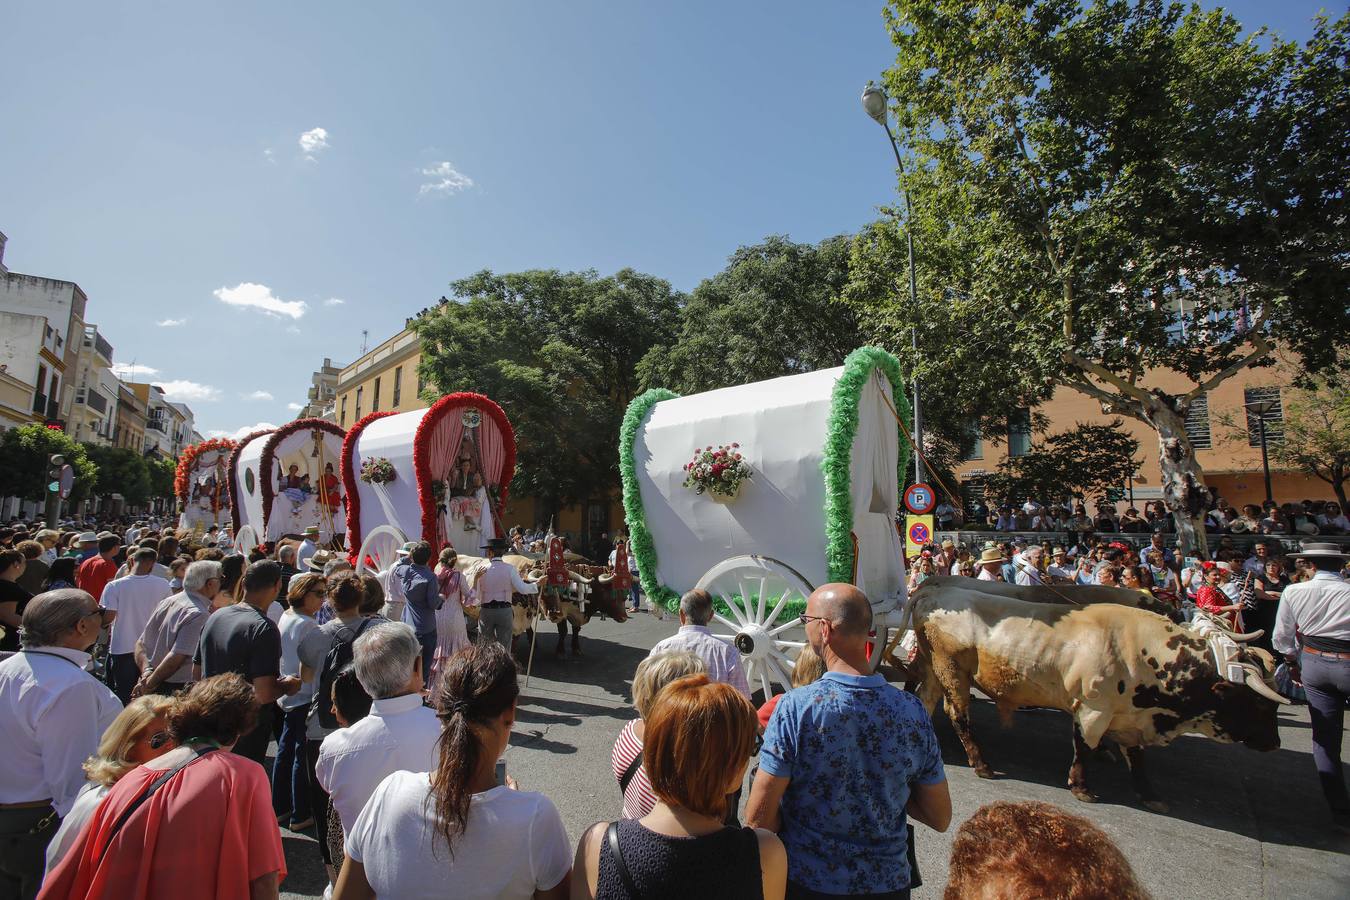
(920, 498)
(918, 531)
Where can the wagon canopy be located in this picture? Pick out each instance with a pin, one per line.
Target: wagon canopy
(201, 483)
(246, 482)
(827, 461)
(300, 480)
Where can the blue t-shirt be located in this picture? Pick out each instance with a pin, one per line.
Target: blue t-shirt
(422, 592)
(851, 745)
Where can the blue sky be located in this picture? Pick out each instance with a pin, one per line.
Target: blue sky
(240, 167)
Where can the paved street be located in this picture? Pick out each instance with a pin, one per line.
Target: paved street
(1241, 824)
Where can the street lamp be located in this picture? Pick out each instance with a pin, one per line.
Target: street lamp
(874, 103)
(1261, 409)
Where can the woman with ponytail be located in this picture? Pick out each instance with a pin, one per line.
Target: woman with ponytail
(457, 831)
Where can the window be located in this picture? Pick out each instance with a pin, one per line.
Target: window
(375, 397)
(343, 419)
(976, 442)
(1019, 432)
(1197, 423)
(1274, 416)
(359, 391)
(398, 385)
(420, 383)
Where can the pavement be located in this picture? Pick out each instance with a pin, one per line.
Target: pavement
(1240, 824)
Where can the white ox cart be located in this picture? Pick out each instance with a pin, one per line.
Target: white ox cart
(827, 463)
(286, 480)
(201, 484)
(439, 475)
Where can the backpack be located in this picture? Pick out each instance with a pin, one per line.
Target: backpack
(339, 656)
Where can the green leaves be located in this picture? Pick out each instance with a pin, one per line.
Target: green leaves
(24, 452)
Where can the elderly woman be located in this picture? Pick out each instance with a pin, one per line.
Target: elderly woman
(458, 831)
(653, 673)
(699, 739)
(210, 834)
(138, 735)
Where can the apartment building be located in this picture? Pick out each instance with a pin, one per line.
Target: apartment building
(93, 414)
(321, 399)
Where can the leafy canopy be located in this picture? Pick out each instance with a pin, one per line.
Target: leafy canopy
(24, 455)
(1080, 463)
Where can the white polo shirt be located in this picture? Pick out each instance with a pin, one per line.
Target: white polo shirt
(54, 713)
(400, 734)
(134, 599)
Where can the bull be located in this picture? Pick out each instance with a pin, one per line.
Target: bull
(1066, 594)
(1121, 673)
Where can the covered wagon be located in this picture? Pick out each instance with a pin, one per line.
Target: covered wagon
(201, 484)
(287, 480)
(823, 461)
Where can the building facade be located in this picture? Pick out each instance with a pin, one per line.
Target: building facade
(93, 414)
(321, 399)
(384, 378)
(50, 349)
(129, 429)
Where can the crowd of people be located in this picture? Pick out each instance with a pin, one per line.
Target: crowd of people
(389, 724)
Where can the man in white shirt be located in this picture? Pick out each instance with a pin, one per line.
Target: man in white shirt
(495, 584)
(166, 645)
(399, 734)
(1059, 569)
(54, 714)
(722, 659)
(1028, 566)
(308, 547)
(130, 601)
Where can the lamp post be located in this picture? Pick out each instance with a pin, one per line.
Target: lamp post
(1261, 409)
(874, 104)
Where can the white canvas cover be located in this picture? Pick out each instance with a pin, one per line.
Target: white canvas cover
(208, 500)
(316, 500)
(394, 503)
(781, 426)
(248, 485)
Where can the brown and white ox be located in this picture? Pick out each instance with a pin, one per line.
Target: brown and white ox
(1124, 674)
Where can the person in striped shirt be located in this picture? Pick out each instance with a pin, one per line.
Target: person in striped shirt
(653, 673)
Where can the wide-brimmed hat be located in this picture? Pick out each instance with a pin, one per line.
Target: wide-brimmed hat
(948, 542)
(1320, 550)
(496, 545)
(990, 555)
(319, 561)
(87, 537)
(311, 531)
(407, 548)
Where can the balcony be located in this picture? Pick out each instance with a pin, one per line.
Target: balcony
(95, 401)
(40, 403)
(103, 348)
(156, 425)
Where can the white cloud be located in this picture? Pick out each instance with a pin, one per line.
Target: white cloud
(312, 141)
(259, 395)
(259, 296)
(186, 391)
(445, 179)
(295, 407)
(333, 301)
(291, 329)
(269, 156)
(171, 323)
(132, 371)
(240, 433)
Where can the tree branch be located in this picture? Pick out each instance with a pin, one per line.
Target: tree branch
(1262, 349)
(1106, 375)
(1083, 386)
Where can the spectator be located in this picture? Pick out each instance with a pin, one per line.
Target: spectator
(1165, 583)
(456, 824)
(1059, 570)
(946, 515)
(947, 558)
(422, 592)
(131, 601)
(54, 713)
(308, 547)
(817, 736)
(722, 660)
(1332, 520)
(48, 538)
(241, 639)
(922, 569)
(1011, 551)
(1006, 521)
(1132, 522)
(85, 546)
(1109, 574)
(399, 733)
(61, 574)
(451, 633)
(209, 834)
(1275, 522)
(699, 738)
(1032, 849)
(13, 598)
(35, 569)
(653, 674)
(808, 669)
(1044, 520)
(1029, 570)
(232, 571)
(96, 571)
(1136, 578)
(990, 563)
(170, 638)
(1106, 519)
(286, 559)
(168, 549)
(290, 777)
(1213, 601)
(138, 735)
(350, 704)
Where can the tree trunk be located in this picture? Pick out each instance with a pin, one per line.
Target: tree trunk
(1183, 481)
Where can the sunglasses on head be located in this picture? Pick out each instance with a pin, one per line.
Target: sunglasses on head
(159, 739)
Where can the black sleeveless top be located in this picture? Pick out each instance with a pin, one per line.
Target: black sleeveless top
(722, 864)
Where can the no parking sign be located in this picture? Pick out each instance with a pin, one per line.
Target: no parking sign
(918, 531)
(920, 498)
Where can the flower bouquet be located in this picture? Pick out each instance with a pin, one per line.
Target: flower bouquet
(377, 470)
(717, 471)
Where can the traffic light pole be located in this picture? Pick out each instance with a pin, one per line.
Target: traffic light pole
(55, 463)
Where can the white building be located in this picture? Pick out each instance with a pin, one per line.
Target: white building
(93, 415)
(320, 402)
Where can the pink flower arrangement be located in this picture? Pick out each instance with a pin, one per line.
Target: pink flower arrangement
(717, 470)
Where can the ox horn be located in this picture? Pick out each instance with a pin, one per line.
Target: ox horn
(605, 579)
(1258, 684)
(1247, 636)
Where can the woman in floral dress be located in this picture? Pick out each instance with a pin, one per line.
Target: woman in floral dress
(451, 633)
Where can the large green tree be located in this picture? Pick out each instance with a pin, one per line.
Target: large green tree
(120, 471)
(24, 455)
(161, 472)
(1082, 462)
(1103, 191)
(559, 352)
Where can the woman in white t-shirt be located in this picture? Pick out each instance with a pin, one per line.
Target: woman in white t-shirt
(456, 831)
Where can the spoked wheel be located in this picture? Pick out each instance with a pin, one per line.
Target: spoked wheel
(246, 541)
(756, 589)
(379, 549)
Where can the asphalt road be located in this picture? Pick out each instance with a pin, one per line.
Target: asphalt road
(1240, 824)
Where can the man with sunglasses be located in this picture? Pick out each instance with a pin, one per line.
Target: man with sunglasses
(54, 712)
(846, 736)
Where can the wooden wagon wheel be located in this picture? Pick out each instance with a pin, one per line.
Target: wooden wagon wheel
(380, 546)
(246, 540)
(755, 590)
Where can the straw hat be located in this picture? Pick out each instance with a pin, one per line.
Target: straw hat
(1320, 550)
(311, 531)
(990, 555)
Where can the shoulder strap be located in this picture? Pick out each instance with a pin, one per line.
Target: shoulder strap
(147, 793)
(612, 840)
(627, 777)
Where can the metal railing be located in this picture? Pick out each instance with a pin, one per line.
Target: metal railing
(1289, 543)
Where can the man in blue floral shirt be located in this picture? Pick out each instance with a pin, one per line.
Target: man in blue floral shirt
(844, 761)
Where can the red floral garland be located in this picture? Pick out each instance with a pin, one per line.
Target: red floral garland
(182, 474)
(349, 481)
(269, 448)
(421, 452)
(237, 502)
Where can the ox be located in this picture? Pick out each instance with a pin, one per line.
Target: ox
(1066, 594)
(1121, 673)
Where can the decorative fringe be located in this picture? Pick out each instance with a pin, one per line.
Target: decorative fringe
(640, 539)
(349, 481)
(265, 461)
(236, 489)
(840, 431)
(183, 473)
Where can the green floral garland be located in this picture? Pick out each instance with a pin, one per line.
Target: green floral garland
(840, 431)
(640, 539)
